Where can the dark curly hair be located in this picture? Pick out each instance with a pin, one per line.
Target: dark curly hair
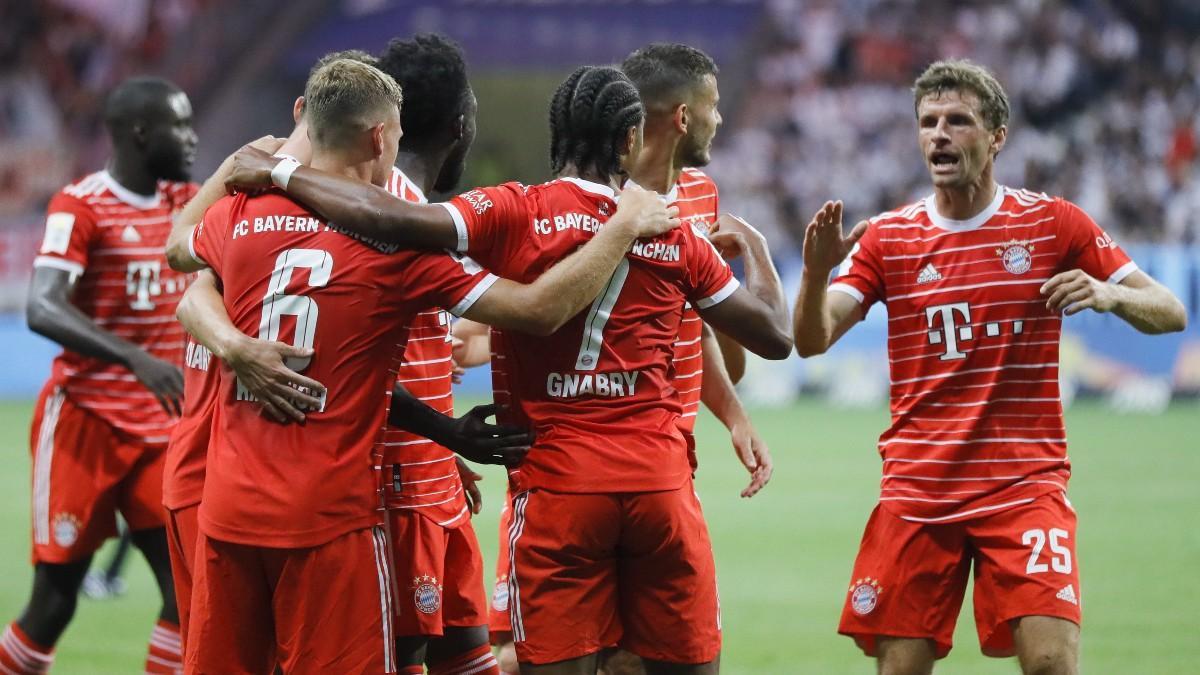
(662, 71)
(589, 116)
(433, 75)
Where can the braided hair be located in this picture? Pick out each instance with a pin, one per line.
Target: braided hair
(589, 116)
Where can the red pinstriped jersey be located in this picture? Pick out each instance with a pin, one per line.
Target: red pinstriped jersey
(977, 422)
(424, 475)
(598, 392)
(183, 465)
(113, 240)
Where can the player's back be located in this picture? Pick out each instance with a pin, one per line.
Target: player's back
(598, 392)
(288, 276)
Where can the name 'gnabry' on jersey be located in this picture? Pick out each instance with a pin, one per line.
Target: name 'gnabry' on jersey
(977, 421)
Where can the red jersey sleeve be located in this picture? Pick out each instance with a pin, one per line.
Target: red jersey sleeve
(709, 278)
(207, 243)
(485, 216)
(70, 230)
(1089, 248)
(861, 274)
(446, 280)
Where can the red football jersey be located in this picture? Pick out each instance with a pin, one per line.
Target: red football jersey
(114, 239)
(289, 276)
(425, 475)
(183, 465)
(977, 422)
(598, 392)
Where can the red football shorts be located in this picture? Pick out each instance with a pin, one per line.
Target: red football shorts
(84, 471)
(182, 530)
(910, 578)
(439, 575)
(499, 628)
(633, 570)
(325, 609)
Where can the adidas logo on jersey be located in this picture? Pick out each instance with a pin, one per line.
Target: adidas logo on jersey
(928, 274)
(130, 235)
(1068, 593)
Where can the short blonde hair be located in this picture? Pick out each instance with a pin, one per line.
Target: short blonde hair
(345, 97)
(965, 76)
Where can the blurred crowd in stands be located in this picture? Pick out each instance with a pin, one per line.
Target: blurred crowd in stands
(1105, 108)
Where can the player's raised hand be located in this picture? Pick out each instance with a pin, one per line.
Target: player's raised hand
(645, 212)
(163, 379)
(261, 367)
(469, 480)
(753, 453)
(250, 170)
(731, 235)
(1073, 291)
(484, 443)
(824, 246)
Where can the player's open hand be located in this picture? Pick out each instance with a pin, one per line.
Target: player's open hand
(250, 171)
(824, 246)
(732, 235)
(1073, 291)
(469, 482)
(645, 212)
(484, 443)
(753, 453)
(163, 379)
(261, 367)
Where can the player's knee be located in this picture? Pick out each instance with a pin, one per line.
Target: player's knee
(1049, 659)
(905, 657)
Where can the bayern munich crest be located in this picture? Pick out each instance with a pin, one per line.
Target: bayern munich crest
(1017, 256)
(66, 530)
(864, 595)
(500, 595)
(427, 594)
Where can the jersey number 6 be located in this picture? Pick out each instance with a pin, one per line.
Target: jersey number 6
(277, 303)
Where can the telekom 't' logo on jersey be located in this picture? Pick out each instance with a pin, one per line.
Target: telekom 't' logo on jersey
(951, 325)
(141, 282)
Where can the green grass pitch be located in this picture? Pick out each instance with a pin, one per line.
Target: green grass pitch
(784, 557)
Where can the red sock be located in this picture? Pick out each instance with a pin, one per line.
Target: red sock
(478, 661)
(165, 654)
(21, 656)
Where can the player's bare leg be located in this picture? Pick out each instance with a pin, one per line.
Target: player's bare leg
(153, 545)
(53, 600)
(905, 656)
(1046, 645)
(621, 662)
(663, 668)
(584, 665)
(506, 656)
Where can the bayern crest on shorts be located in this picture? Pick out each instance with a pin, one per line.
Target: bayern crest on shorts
(500, 595)
(66, 530)
(864, 595)
(1017, 256)
(427, 594)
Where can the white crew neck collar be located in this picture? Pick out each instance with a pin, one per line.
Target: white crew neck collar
(594, 188)
(970, 223)
(143, 202)
(669, 198)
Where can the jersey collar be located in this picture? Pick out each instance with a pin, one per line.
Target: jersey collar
(969, 224)
(594, 188)
(411, 186)
(133, 199)
(671, 195)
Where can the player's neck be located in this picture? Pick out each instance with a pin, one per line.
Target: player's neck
(571, 171)
(335, 164)
(966, 202)
(657, 167)
(132, 174)
(421, 166)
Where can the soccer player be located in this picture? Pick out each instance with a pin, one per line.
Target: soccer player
(289, 532)
(101, 289)
(976, 278)
(604, 498)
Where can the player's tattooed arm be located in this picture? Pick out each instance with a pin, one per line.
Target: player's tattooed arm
(1141, 301)
(50, 313)
(260, 366)
(469, 435)
(542, 307)
(357, 206)
(720, 397)
(178, 255)
(820, 317)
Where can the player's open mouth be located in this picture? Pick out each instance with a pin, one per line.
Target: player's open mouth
(943, 160)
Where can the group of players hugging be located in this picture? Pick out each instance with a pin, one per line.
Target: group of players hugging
(257, 376)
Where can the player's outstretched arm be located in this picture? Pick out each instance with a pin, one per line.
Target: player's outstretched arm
(259, 365)
(1141, 301)
(50, 313)
(574, 282)
(720, 397)
(469, 435)
(821, 317)
(178, 255)
(356, 206)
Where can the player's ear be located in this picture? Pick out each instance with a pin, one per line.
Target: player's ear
(681, 118)
(459, 127)
(377, 140)
(298, 109)
(999, 136)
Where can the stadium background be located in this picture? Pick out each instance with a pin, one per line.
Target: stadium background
(1106, 111)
